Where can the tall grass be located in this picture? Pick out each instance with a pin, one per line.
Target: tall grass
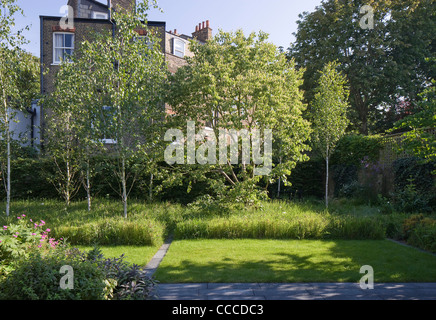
(149, 223)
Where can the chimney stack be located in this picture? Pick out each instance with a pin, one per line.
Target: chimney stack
(203, 32)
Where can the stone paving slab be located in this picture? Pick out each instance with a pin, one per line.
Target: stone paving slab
(295, 291)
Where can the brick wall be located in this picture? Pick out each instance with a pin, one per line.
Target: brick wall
(123, 4)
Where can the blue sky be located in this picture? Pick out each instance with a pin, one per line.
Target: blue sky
(276, 17)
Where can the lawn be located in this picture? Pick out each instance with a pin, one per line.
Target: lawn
(250, 260)
(279, 242)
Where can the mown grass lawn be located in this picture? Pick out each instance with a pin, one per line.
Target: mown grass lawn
(249, 260)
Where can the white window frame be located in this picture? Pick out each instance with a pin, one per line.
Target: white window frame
(175, 40)
(96, 13)
(63, 48)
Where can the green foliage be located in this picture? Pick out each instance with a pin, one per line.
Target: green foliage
(280, 220)
(351, 149)
(329, 109)
(115, 231)
(414, 185)
(420, 231)
(417, 141)
(18, 240)
(38, 278)
(306, 180)
(236, 82)
(329, 113)
(128, 282)
(381, 64)
(114, 95)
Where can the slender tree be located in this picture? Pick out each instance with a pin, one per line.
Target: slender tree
(11, 63)
(329, 114)
(113, 101)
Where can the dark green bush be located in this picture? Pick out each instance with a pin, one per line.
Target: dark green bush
(38, 278)
(415, 188)
(130, 281)
(352, 149)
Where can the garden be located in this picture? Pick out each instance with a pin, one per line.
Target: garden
(349, 182)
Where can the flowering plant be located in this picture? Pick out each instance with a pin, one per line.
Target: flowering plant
(17, 240)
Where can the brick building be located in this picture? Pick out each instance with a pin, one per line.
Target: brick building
(90, 16)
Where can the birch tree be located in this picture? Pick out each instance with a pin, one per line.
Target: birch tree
(11, 59)
(113, 90)
(329, 114)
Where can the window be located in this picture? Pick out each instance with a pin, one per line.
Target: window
(108, 115)
(178, 47)
(99, 15)
(63, 46)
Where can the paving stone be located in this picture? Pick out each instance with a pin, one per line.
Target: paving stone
(286, 286)
(224, 292)
(232, 286)
(181, 286)
(272, 292)
(245, 298)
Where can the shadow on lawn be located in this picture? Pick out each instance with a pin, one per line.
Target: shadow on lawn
(341, 263)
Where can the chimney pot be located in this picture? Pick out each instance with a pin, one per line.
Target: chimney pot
(207, 24)
(175, 31)
(203, 25)
(199, 26)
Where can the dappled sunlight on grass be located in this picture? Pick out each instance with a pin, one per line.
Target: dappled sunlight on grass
(292, 261)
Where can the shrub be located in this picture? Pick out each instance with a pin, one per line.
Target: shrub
(130, 281)
(409, 199)
(38, 278)
(420, 231)
(415, 188)
(18, 240)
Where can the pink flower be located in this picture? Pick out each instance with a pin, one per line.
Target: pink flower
(23, 215)
(15, 236)
(33, 234)
(43, 222)
(48, 230)
(39, 246)
(18, 217)
(5, 227)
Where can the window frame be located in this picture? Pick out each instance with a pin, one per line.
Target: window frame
(174, 47)
(63, 48)
(95, 13)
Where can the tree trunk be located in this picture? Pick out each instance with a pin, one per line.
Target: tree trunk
(8, 175)
(327, 180)
(150, 190)
(124, 186)
(88, 186)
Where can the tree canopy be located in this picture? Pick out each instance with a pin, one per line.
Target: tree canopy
(384, 65)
